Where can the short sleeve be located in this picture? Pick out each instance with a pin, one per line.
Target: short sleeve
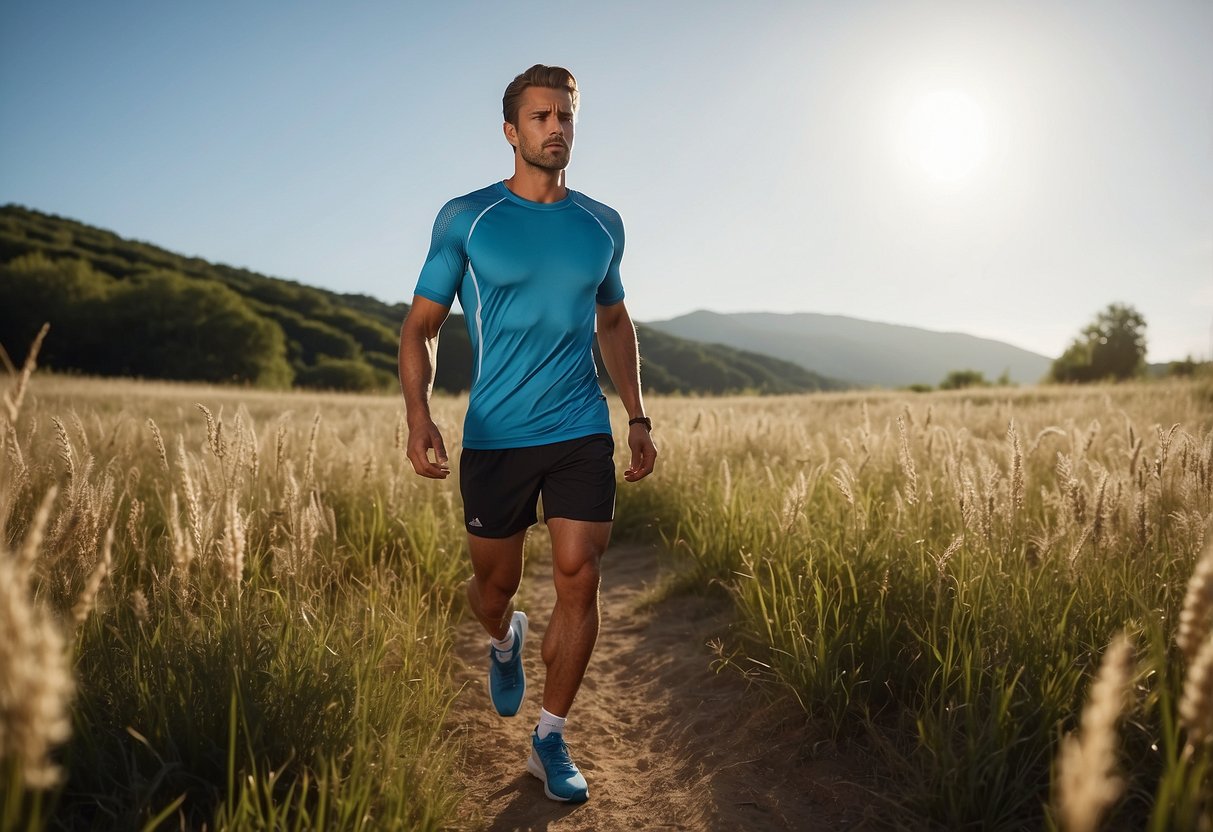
(447, 259)
(610, 290)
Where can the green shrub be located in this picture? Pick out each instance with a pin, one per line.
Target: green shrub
(340, 374)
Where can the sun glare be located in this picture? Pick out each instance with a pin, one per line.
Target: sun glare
(945, 134)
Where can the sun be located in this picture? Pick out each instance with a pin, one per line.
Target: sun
(945, 135)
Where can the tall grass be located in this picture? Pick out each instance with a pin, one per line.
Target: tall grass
(937, 577)
(254, 601)
(241, 602)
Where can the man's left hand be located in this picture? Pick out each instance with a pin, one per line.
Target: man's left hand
(644, 453)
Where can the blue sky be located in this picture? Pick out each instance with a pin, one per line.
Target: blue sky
(773, 158)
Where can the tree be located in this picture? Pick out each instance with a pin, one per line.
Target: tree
(960, 379)
(1183, 369)
(164, 325)
(1112, 346)
(341, 374)
(66, 293)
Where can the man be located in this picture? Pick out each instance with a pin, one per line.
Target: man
(535, 265)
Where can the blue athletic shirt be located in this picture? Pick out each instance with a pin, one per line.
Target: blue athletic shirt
(528, 276)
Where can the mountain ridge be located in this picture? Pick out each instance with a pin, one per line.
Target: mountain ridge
(861, 351)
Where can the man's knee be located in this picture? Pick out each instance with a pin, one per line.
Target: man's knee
(578, 582)
(493, 593)
(503, 583)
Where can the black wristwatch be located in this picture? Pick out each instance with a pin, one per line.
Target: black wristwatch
(642, 420)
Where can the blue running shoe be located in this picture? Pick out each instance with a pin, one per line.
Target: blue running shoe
(550, 762)
(507, 682)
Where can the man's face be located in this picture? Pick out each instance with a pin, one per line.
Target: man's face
(544, 134)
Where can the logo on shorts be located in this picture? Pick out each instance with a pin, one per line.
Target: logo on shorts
(475, 523)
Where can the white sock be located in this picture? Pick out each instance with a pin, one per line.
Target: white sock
(548, 723)
(503, 645)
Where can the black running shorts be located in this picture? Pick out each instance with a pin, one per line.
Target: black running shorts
(500, 488)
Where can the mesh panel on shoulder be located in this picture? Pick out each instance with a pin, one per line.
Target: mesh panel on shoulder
(607, 217)
(452, 210)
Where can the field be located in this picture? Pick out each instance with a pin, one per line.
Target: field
(235, 609)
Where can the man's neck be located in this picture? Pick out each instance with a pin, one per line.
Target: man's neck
(537, 184)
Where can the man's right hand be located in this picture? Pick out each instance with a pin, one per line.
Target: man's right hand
(422, 438)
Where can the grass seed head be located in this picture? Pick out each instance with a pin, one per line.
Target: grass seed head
(1052, 430)
(183, 547)
(14, 397)
(159, 440)
(193, 503)
(213, 430)
(139, 605)
(88, 597)
(32, 546)
(1196, 704)
(793, 502)
(1196, 615)
(279, 447)
(844, 479)
(233, 543)
(906, 459)
(36, 685)
(1017, 476)
(309, 465)
(942, 560)
(13, 448)
(1165, 438)
(1087, 779)
(65, 449)
(1097, 513)
(1089, 439)
(254, 457)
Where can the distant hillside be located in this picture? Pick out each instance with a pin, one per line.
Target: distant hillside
(864, 352)
(124, 307)
(677, 365)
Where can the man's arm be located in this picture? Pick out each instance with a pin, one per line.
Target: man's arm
(617, 343)
(417, 360)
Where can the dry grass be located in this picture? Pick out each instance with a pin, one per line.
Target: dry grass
(934, 576)
(264, 640)
(254, 645)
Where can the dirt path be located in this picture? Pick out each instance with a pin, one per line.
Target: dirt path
(664, 742)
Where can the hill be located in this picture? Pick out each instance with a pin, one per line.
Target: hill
(124, 307)
(864, 352)
(678, 365)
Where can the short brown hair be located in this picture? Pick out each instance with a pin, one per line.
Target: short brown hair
(552, 77)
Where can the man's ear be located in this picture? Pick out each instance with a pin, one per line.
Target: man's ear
(511, 133)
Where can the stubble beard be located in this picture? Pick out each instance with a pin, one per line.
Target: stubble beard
(541, 157)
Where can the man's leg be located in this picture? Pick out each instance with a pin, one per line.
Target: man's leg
(577, 548)
(496, 573)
